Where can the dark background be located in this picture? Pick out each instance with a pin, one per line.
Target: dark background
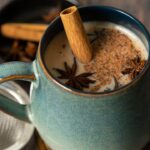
(138, 8)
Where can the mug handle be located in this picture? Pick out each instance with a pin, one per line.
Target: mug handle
(15, 71)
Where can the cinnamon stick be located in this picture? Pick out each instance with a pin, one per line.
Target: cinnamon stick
(23, 31)
(76, 35)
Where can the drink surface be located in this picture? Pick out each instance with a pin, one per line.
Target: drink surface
(118, 57)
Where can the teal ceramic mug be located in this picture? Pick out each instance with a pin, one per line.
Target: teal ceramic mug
(69, 119)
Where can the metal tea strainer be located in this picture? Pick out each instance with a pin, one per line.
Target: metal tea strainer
(14, 134)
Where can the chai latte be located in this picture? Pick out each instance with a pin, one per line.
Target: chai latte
(119, 56)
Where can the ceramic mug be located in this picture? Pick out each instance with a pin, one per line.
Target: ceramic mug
(69, 119)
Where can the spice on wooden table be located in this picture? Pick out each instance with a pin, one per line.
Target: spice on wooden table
(22, 51)
(30, 49)
(14, 50)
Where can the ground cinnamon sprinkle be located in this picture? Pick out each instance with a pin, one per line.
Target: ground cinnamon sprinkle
(112, 53)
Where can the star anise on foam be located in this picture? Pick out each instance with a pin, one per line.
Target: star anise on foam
(135, 67)
(75, 81)
(95, 35)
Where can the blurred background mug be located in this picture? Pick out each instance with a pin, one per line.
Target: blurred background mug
(68, 119)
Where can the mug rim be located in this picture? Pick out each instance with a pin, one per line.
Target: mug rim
(96, 94)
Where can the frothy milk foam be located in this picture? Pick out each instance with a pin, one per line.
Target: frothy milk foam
(59, 51)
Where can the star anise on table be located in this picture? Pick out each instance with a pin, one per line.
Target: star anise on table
(75, 81)
(14, 51)
(22, 51)
(135, 67)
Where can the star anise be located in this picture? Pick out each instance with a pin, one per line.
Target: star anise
(14, 51)
(135, 67)
(75, 81)
(95, 36)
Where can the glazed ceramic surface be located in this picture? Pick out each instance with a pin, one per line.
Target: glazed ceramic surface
(68, 119)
